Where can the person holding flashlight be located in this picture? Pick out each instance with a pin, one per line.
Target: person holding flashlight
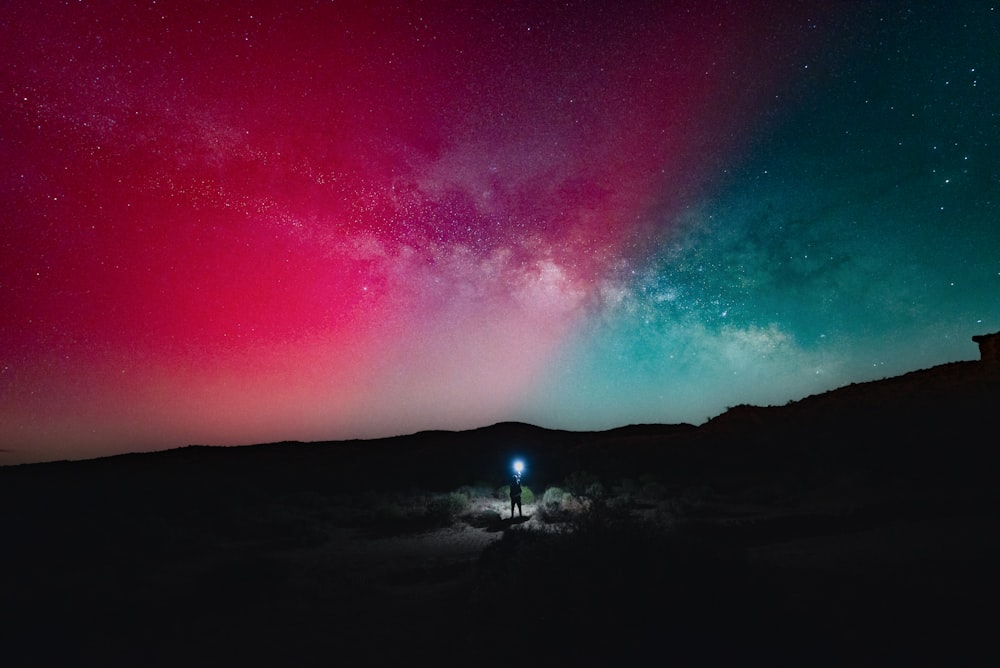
(515, 495)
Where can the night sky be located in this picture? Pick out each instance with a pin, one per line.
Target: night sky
(313, 221)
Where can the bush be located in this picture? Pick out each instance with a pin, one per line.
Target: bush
(554, 497)
(444, 508)
(584, 485)
(589, 506)
(527, 496)
(557, 505)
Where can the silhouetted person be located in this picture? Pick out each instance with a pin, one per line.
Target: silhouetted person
(515, 496)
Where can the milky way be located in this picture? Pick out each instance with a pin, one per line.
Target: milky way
(310, 221)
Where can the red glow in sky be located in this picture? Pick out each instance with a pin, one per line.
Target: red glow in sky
(268, 221)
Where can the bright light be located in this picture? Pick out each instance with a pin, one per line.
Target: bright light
(518, 467)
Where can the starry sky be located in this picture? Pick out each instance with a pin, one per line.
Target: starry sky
(245, 222)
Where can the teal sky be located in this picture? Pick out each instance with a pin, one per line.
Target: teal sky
(859, 238)
(269, 221)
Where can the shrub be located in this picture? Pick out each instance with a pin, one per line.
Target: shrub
(584, 485)
(556, 506)
(553, 497)
(444, 508)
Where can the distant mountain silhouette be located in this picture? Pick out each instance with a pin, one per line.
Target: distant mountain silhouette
(943, 417)
(954, 391)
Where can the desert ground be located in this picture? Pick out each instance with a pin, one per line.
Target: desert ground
(857, 528)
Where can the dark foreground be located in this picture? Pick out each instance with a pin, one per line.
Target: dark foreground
(854, 529)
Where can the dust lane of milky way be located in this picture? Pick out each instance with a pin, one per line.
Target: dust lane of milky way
(273, 221)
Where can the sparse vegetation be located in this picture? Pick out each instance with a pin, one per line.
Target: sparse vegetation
(443, 509)
(584, 486)
(776, 544)
(556, 506)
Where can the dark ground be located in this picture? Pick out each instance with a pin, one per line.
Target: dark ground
(854, 528)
